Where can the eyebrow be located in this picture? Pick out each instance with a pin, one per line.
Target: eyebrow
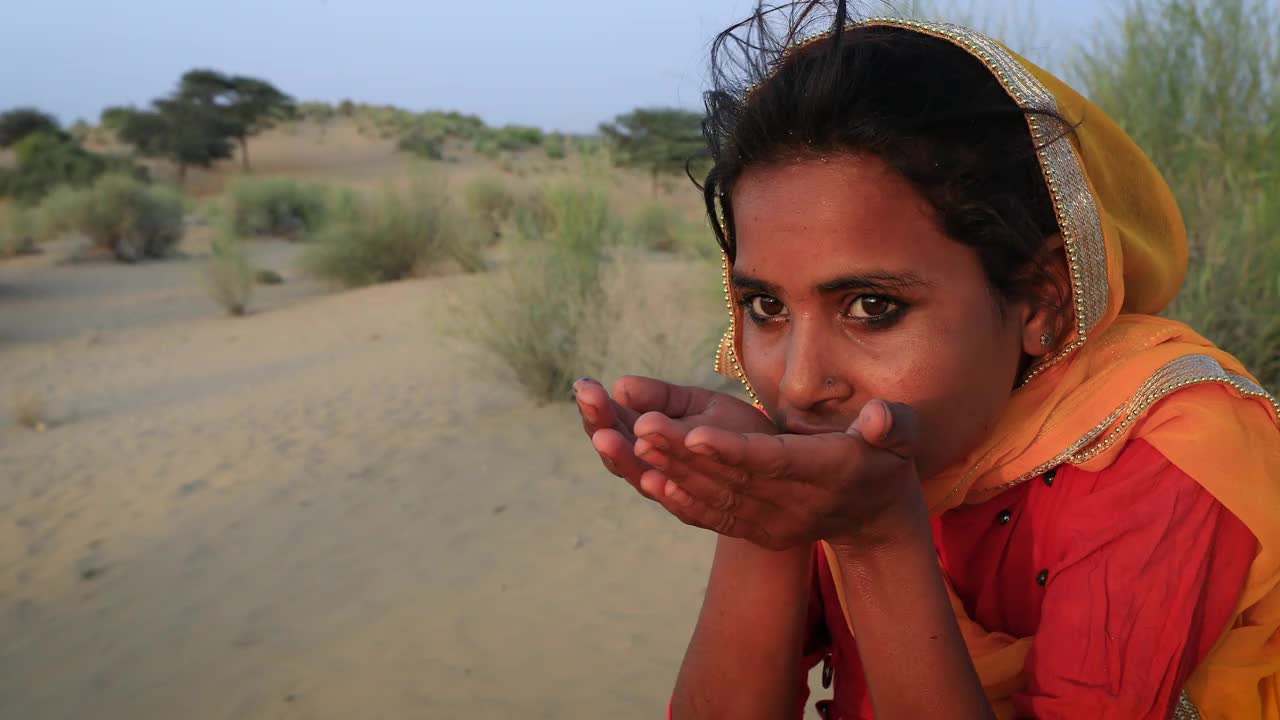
(877, 281)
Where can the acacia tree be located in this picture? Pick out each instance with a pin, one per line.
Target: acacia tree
(660, 140)
(178, 129)
(255, 105)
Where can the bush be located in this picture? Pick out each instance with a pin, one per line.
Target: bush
(425, 144)
(45, 161)
(395, 235)
(656, 227)
(489, 200)
(268, 277)
(228, 275)
(16, 231)
(517, 137)
(554, 146)
(534, 321)
(1160, 75)
(119, 214)
(58, 213)
(19, 123)
(275, 207)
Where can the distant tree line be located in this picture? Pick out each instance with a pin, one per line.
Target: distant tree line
(200, 122)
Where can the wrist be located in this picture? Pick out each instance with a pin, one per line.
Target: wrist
(903, 521)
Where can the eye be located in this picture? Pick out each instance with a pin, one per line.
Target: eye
(765, 306)
(871, 307)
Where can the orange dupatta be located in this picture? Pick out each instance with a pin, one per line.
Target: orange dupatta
(1123, 374)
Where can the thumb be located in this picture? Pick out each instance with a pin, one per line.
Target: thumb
(888, 426)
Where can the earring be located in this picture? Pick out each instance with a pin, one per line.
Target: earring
(1046, 340)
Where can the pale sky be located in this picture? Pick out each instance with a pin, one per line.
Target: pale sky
(558, 64)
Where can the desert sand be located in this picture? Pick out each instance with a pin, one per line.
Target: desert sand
(312, 512)
(330, 508)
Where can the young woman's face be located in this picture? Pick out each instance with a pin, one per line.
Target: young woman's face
(851, 291)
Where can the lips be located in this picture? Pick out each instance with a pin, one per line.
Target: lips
(800, 428)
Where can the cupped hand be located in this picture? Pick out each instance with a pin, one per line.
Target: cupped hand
(609, 420)
(780, 491)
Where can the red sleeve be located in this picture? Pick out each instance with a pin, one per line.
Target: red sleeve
(1143, 576)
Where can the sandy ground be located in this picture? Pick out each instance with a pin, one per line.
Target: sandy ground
(322, 510)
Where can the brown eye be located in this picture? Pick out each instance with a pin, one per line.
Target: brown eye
(767, 307)
(871, 306)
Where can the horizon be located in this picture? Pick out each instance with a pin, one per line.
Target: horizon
(333, 50)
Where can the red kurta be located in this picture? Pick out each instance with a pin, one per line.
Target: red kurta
(1126, 577)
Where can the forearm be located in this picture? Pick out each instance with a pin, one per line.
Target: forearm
(912, 652)
(744, 658)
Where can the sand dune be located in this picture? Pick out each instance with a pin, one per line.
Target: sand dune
(314, 512)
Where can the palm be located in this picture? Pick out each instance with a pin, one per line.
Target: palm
(610, 420)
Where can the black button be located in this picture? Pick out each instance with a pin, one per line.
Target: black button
(1004, 517)
(1042, 578)
(1048, 477)
(827, 671)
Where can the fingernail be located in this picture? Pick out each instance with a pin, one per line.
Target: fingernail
(658, 441)
(655, 457)
(704, 451)
(677, 493)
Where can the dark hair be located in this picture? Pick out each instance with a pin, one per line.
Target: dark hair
(926, 107)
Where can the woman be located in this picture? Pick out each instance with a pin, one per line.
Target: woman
(980, 453)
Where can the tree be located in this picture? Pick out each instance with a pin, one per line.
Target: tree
(660, 140)
(256, 105)
(18, 123)
(181, 129)
(247, 105)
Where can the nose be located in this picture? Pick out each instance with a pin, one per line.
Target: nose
(811, 379)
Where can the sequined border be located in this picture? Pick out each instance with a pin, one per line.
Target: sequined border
(1185, 710)
(1074, 205)
(1171, 377)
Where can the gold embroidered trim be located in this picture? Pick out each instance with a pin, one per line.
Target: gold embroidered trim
(1073, 203)
(1185, 710)
(1173, 376)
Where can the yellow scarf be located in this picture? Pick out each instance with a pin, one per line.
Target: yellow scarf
(1123, 374)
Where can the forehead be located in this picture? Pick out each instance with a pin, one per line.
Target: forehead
(839, 212)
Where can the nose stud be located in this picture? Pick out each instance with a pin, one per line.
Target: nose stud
(1046, 340)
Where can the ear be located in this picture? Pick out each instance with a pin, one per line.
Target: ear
(1045, 318)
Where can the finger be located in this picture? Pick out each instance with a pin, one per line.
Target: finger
(753, 453)
(662, 432)
(889, 426)
(691, 511)
(717, 487)
(643, 394)
(618, 457)
(598, 410)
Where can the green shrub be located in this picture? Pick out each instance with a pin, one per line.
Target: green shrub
(517, 137)
(275, 207)
(656, 227)
(1195, 84)
(533, 321)
(394, 235)
(44, 161)
(228, 275)
(20, 123)
(16, 231)
(423, 143)
(487, 145)
(58, 213)
(119, 214)
(266, 276)
(490, 200)
(554, 146)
